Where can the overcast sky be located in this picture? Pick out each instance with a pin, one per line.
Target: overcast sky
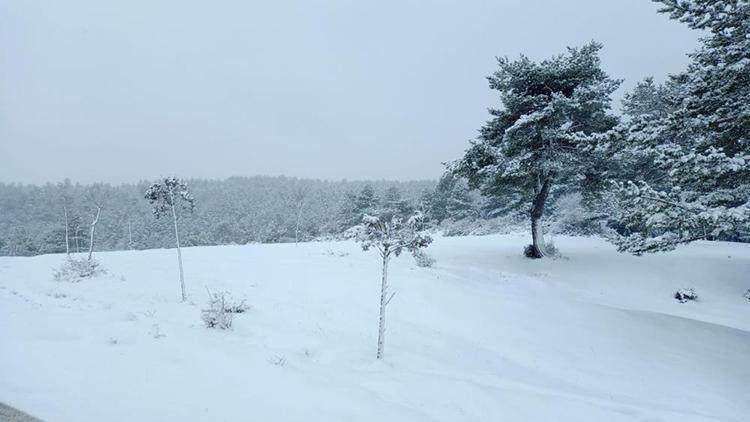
(120, 91)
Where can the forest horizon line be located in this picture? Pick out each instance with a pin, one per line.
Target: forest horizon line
(188, 179)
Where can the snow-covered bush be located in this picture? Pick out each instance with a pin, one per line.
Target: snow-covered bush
(747, 294)
(237, 307)
(423, 259)
(221, 310)
(75, 270)
(217, 314)
(683, 295)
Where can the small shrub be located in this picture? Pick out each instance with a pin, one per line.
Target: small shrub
(237, 308)
(684, 295)
(747, 294)
(423, 259)
(75, 270)
(221, 310)
(217, 314)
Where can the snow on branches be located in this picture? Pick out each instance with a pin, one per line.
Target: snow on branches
(168, 194)
(688, 151)
(390, 236)
(543, 138)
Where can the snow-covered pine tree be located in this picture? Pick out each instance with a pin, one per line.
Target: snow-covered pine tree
(450, 200)
(169, 197)
(700, 146)
(459, 203)
(424, 205)
(356, 206)
(390, 238)
(645, 108)
(632, 145)
(299, 199)
(394, 205)
(552, 113)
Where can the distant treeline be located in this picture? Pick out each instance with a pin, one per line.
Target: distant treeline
(237, 210)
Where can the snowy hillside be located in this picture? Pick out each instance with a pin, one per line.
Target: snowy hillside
(484, 335)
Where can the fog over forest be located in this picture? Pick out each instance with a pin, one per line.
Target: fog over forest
(375, 211)
(237, 210)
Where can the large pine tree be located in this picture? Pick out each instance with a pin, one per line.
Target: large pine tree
(541, 137)
(699, 144)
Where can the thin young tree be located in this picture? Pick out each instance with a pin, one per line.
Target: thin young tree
(169, 197)
(67, 232)
(67, 199)
(96, 208)
(77, 237)
(95, 196)
(390, 238)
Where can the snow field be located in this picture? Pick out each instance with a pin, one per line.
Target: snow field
(484, 335)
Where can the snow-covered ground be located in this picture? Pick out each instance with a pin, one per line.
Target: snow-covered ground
(485, 335)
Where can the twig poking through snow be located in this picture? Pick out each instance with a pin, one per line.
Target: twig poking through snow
(279, 360)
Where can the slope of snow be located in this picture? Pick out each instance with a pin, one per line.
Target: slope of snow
(485, 335)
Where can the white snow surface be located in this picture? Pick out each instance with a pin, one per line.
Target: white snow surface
(484, 335)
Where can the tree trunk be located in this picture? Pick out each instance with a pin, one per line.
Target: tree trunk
(91, 235)
(179, 254)
(91, 242)
(296, 228)
(130, 236)
(67, 236)
(383, 304)
(537, 211)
